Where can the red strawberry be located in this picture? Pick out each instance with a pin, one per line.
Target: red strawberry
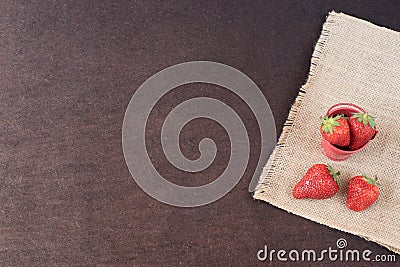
(335, 130)
(361, 193)
(362, 129)
(320, 182)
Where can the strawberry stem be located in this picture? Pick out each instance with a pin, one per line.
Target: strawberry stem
(372, 181)
(365, 118)
(334, 174)
(328, 123)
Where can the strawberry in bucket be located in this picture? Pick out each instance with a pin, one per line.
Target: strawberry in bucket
(361, 125)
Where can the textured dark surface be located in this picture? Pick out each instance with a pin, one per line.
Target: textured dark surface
(68, 70)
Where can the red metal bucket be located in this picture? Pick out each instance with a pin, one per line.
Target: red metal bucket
(331, 151)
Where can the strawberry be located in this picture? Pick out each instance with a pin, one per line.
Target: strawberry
(321, 181)
(361, 193)
(335, 130)
(362, 129)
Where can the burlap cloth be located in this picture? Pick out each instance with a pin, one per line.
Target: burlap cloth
(358, 62)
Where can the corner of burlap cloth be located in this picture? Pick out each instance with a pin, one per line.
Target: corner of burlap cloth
(358, 62)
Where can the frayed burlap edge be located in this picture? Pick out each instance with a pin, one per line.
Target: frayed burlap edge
(317, 55)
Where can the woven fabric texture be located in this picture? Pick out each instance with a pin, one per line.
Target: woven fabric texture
(358, 62)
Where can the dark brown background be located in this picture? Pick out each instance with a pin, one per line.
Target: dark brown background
(68, 70)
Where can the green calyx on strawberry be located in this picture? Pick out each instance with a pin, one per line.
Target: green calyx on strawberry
(362, 192)
(371, 181)
(335, 130)
(328, 123)
(365, 118)
(362, 129)
(319, 182)
(335, 174)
